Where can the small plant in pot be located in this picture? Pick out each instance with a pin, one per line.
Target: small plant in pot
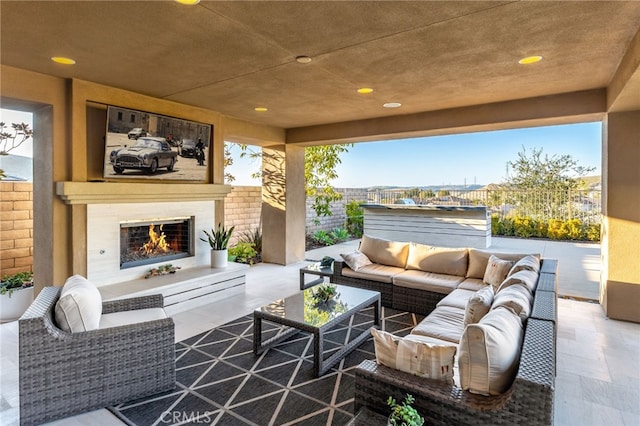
(218, 240)
(404, 414)
(16, 294)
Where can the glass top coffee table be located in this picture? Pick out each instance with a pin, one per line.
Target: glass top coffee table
(300, 313)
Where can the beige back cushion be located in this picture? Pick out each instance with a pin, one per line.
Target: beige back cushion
(478, 260)
(385, 252)
(418, 355)
(441, 260)
(525, 277)
(516, 297)
(530, 263)
(490, 352)
(80, 305)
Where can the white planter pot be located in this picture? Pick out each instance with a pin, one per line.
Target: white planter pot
(219, 258)
(12, 308)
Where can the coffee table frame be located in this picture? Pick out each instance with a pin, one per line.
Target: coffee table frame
(320, 365)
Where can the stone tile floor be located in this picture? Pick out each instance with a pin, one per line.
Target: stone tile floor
(598, 377)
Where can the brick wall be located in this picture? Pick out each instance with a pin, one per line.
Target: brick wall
(16, 227)
(339, 217)
(242, 209)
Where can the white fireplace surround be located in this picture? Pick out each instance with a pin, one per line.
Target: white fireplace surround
(103, 236)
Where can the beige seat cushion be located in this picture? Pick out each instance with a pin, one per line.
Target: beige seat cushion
(458, 298)
(524, 277)
(356, 259)
(489, 353)
(80, 305)
(444, 322)
(516, 297)
(478, 260)
(438, 283)
(419, 355)
(374, 272)
(496, 271)
(530, 263)
(473, 284)
(385, 252)
(441, 260)
(478, 305)
(135, 316)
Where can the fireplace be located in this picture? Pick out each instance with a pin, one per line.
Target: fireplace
(144, 242)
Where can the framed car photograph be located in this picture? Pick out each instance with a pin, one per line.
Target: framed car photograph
(143, 145)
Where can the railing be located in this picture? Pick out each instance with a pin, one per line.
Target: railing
(538, 204)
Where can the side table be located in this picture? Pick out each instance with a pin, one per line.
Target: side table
(315, 269)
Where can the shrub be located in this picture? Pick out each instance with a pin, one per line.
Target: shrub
(573, 229)
(322, 237)
(355, 218)
(593, 232)
(252, 237)
(555, 231)
(339, 235)
(243, 253)
(523, 227)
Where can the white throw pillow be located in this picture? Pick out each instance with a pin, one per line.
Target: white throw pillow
(525, 277)
(418, 355)
(80, 305)
(529, 263)
(496, 271)
(490, 353)
(356, 260)
(478, 305)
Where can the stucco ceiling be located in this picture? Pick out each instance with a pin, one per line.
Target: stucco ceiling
(234, 56)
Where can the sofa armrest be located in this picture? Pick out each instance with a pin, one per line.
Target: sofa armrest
(144, 302)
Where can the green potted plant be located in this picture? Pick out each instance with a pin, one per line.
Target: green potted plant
(218, 240)
(404, 414)
(16, 294)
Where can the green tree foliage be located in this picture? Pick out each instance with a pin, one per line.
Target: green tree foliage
(320, 163)
(355, 218)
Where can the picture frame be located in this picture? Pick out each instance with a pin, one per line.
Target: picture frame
(141, 145)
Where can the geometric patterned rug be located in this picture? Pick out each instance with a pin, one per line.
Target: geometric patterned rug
(221, 382)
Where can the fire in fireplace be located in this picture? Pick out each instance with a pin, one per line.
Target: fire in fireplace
(155, 241)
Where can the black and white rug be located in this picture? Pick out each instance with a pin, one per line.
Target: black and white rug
(221, 382)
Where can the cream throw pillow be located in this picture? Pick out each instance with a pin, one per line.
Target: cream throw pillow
(80, 305)
(478, 305)
(490, 353)
(496, 271)
(356, 260)
(418, 355)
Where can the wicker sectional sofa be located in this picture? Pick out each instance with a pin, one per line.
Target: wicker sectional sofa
(529, 399)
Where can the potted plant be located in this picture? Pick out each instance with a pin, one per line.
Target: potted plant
(404, 414)
(218, 240)
(16, 294)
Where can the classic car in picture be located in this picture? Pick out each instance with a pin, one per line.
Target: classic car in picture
(136, 133)
(188, 148)
(147, 153)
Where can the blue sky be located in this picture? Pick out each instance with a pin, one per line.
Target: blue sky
(477, 157)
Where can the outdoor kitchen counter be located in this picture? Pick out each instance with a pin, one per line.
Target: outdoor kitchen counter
(446, 226)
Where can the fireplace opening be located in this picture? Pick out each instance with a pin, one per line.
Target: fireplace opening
(155, 241)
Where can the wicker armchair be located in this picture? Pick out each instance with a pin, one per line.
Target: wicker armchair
(62, 374)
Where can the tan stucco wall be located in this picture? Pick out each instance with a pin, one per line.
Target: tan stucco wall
(620, 282)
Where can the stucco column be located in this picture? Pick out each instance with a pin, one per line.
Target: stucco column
(620, 280)
(283, 204)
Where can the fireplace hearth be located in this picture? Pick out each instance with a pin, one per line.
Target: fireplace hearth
(145, 242)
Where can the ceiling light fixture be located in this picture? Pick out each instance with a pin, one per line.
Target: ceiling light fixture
(188, 2)
(261, 109)
(365, 90)
(392, 105)
(302, 59)
(63, 60)
(530, 60)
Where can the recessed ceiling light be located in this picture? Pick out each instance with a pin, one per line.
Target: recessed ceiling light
(63, 60)
(302, 59)
(392, 105)
(365, 90)
(261, 109)
(188, 2)
(530, 60)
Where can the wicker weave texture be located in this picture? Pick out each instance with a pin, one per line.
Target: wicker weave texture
(62, 374)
